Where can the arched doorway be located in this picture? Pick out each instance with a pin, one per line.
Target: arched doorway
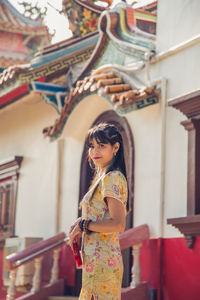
(86, 175)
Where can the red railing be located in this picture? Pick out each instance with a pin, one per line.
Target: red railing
(130, 238)
(133, 238)
(36, 253)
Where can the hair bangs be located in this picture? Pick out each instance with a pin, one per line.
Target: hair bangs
(99, 136)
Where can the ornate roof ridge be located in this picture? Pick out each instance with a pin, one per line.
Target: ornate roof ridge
(111, 84)
(62, 44)
(13, 71)
(107, 26)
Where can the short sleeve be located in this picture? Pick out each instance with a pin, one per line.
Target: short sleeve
(114, 185)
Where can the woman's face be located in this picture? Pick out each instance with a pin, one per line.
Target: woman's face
(102, 154)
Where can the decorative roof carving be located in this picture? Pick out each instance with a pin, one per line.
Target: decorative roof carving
(48, 63)
(111, 84)
(83, 15)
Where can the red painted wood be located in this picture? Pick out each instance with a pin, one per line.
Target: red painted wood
(150, 262)
(67, 266)
(33, 251)
(172, 269)
(14, 94)
(138, 293)
(2, 290)
(133, 236)
(181, 270)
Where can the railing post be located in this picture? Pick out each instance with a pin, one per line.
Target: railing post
(37, 274)
(55, 267)
(12, 290)
(136, 270)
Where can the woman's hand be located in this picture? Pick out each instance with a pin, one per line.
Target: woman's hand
(75, 223)
(75, 233)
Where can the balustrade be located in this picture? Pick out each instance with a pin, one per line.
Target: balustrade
(35, 253)
(130, 238)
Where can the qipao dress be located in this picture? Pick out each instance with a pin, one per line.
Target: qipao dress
(102, 268)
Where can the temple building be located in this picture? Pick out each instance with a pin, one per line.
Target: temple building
(135, 66)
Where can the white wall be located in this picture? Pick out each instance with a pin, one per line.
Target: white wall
(146, 128)
(21, 134)
(177, 21)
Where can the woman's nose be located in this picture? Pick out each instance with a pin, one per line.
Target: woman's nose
(95, 150)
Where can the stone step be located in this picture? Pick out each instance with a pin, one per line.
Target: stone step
(62, 298)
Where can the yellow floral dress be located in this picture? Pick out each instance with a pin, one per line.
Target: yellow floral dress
(102, 261)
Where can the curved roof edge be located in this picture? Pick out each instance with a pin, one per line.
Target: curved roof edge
(19, 15)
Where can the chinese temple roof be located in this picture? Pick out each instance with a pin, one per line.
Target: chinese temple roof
(83, 61)
(19, 35)
(47, 66)
(114, 81)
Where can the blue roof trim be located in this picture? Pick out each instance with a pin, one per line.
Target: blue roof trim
(19, 15)
(40, 61)
(47, 88)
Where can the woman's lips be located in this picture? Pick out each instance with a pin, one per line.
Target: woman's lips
(96, 157)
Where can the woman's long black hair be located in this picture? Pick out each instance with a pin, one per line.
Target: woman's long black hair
(105, 133)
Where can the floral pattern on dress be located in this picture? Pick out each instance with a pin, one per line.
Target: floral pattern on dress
(102, 260)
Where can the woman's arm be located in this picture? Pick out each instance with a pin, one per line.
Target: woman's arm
(117, 223)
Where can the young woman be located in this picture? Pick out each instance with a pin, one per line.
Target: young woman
(103, 216)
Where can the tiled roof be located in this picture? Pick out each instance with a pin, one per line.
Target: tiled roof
(61, 51)
(9, 73)
(6, 62)
(107, 83)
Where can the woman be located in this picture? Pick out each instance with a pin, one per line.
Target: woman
(103, 216)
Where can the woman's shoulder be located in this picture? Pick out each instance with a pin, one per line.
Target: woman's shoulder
(115, 175)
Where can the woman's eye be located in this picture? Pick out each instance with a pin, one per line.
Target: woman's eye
(102, 145)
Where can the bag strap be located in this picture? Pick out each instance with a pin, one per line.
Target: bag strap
(96, 183)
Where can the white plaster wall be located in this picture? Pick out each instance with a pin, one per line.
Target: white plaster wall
(175, 196)
(146, 128)
(181, 70)
(178, 20)
(21, 127)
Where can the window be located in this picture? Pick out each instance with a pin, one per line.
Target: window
(9, 173)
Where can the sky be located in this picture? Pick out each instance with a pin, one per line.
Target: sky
(56, 21)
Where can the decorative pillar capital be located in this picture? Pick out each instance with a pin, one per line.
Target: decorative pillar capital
(191, 124)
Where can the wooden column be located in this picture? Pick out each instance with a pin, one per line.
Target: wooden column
(12, 290)
(136, 270)
(55, 267)
(193, 183)
(37, 275)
